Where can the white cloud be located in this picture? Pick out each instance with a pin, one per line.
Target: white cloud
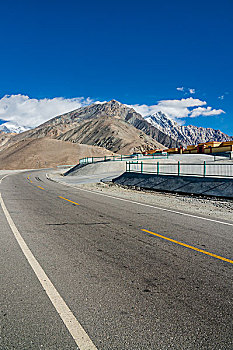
(186, 90)
(176, 109)
(184, 102)
(196, 112)
(30, 112)
(192, 91)
(173, 108)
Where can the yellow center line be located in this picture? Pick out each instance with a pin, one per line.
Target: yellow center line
(189, 246)
(40, 187)
(68, 200)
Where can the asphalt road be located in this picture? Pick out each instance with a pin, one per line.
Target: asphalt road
(128, 289)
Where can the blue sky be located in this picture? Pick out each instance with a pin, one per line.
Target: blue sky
(137, 52)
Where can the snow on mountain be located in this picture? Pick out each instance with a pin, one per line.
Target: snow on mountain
(9, 127)
(187, 135)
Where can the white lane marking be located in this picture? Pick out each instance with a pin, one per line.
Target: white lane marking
(3, 178)
(147, 205)
(74, 327)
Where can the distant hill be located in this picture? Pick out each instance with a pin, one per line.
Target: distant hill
(45, 152)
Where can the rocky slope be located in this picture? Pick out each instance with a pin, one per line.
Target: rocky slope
(187, 135)
(117, 136)
(5, 138)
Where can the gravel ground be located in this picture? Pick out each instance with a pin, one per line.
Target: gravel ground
(208, 206)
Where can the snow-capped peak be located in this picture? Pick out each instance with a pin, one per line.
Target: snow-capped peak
(9, 127)
(161, 121)
(187, 135)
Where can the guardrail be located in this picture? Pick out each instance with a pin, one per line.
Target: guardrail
(182, 169)
(88, 160)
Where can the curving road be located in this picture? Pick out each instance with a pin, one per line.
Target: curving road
(81, 270)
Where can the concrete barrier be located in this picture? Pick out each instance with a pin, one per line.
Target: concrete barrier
(217, 187)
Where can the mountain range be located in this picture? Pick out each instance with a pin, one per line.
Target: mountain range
(110, 126)
(186, 135)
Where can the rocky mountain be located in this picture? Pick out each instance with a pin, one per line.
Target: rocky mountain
(186, 135)
(118, 128)
(111, 116)
(113, 109)
(113, 134)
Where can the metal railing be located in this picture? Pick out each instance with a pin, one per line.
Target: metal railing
(182, 169)
(89, 160)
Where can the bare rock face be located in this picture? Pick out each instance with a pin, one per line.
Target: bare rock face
(118, 136)
(4, 138)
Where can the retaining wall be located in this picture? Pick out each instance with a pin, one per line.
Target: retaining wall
(217, 187)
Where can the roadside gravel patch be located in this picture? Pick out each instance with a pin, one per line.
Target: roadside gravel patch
(207, 206)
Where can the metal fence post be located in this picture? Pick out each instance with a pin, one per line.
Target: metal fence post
(204, 170)
(157, 168)
(129, 166)
(121, 156)
(141, 167)
(178, 168)
(92, 160)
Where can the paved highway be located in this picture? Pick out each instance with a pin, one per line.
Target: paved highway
(80, 270)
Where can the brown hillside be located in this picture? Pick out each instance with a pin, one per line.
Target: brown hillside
(45, 152)
(121, 129)
(114, 134)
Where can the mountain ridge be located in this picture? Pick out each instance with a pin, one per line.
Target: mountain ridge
(186, 134)
(120, 136)
(152, 131)
(60, 125)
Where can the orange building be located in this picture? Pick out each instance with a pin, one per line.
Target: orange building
(205, 147)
